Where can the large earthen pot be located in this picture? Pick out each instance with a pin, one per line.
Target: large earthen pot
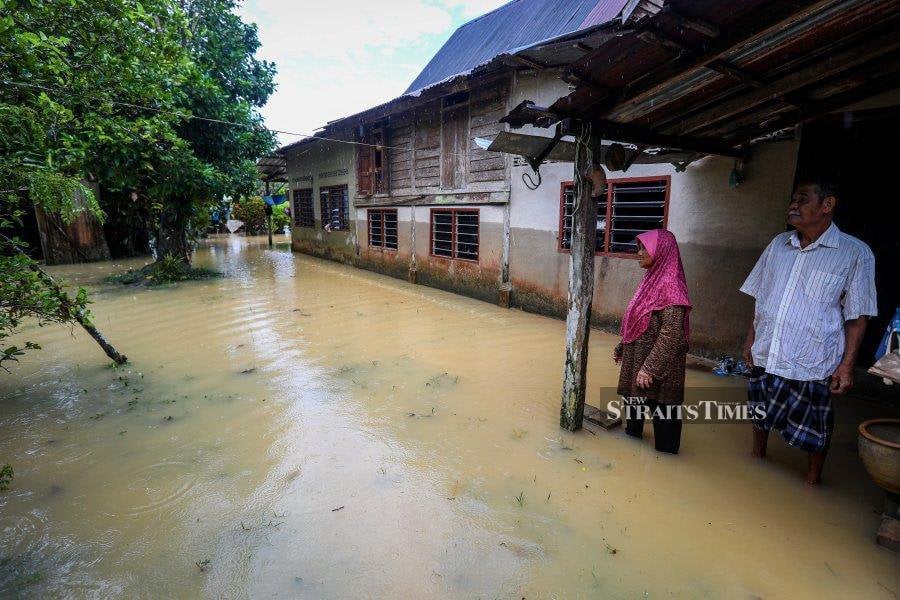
(879, 448)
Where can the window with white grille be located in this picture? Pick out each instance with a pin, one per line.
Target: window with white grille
(629, 208)
(383, 228)
(335, 204)
(454, 233)
(303, 208)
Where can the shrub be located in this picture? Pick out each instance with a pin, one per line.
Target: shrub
(252, 211)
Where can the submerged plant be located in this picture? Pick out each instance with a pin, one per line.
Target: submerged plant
(169, 269)
(6, 477)
(26, 580)
(521, 498)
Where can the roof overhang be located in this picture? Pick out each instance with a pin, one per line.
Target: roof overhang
(553, 53)
(716, 77)
(272, 168)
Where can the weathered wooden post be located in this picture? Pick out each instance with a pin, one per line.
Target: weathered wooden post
(269, 210)
(505, 289)
(581, 282)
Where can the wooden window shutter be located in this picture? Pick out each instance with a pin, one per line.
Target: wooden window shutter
(454, 147)
(365, 169)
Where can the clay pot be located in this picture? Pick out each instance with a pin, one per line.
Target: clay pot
(879, 448)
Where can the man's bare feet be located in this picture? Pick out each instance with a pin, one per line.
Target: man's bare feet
(815, 462)
(760, 443)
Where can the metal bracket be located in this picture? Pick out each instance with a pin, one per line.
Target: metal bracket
(535, 162)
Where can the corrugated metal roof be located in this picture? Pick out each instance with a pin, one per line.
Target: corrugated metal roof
(722, 75)
(518, 24)
(603, 12)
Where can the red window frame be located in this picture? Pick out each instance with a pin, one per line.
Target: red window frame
(383, 245)
(453, 228)
(609, 206)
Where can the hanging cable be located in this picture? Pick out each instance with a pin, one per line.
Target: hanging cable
(224, 122)
(529, 182)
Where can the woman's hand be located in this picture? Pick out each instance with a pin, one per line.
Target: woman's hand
(643, 379)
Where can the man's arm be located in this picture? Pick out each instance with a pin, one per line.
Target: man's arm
(748, 344)
(842, 379)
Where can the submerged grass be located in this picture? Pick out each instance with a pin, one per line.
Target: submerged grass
(167, 270)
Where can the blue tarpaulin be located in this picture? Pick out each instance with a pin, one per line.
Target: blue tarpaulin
(275, 200)
(893, 329)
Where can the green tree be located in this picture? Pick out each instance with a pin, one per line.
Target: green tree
(74, 75)
(228, 84)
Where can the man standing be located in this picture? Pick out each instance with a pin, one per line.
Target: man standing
(815, 290)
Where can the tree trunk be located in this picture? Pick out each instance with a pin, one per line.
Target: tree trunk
(66, 306)
(173, 239)
(581, 288)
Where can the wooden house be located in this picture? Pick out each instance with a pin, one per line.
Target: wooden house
(408, 189)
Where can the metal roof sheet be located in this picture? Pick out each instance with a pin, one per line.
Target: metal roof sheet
(517, 24)
(710, 73)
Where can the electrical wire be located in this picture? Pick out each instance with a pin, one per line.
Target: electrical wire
(529, 181)
(224, 122)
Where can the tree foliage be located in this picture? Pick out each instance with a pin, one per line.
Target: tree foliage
(110, 92)
(228, 84)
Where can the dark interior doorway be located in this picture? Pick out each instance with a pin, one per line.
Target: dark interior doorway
(858, 150)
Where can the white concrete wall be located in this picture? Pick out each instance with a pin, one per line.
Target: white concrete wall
(721, 231)
(324, 164)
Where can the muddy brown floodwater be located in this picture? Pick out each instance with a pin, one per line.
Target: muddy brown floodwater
(300, 428)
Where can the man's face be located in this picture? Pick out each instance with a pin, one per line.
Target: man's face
(807, 208)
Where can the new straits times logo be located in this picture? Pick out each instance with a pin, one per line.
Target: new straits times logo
(700, 411)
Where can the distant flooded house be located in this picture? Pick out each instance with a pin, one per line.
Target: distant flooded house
(408, 189)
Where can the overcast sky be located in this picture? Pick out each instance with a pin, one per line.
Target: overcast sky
(338, 57)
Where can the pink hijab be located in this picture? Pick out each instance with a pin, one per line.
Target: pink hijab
(663, 285)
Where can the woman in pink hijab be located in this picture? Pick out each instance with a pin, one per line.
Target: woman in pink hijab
(655, 333)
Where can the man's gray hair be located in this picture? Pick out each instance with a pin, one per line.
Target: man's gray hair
(824, 187)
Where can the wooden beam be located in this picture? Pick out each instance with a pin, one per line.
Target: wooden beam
(723, 68)
(757, 26)
(577, 77)
(654, 36)
(528, 62)
(823, 107)
(794, 80)
(856, 85)
(698, 25)
(581, 287)
(720, 66)
(634, 134)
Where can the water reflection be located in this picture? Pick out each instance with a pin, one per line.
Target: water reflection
(303, 429)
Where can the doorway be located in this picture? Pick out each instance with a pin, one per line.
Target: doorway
(858, 150)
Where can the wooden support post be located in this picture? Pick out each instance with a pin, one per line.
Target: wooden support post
(581, 284)
(505, 289)
(413, 275)
(269, 216)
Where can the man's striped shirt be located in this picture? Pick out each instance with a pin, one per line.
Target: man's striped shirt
(804, 296)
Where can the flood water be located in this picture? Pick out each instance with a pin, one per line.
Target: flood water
(302, 429)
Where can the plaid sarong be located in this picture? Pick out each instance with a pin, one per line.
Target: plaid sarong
(800, 410)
